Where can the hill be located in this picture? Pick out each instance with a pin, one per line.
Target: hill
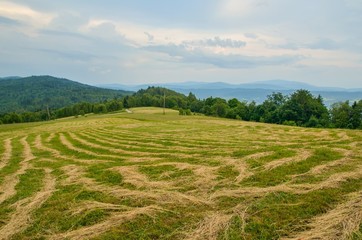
(37, 92)
(144, 175)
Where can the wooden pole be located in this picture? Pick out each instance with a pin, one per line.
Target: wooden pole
(48, 112)
(164, 101)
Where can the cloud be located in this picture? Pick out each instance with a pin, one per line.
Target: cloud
(324, 43)
(319, 44)
(251, 35)
(8, 21)
(62, 34)
(181, 53)
(149, 36)
(68, 55)
(258, 38)
(24, 14)
(217, 42)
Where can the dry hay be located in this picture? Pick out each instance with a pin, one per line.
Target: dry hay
(39, 145)
(10, 181)
(337, 224)
(21, 218)
(210, 227)
(302, 155)
(114, 220)
(132, 175)
(76, 176)
(70, 146)
(6, 154)
(203, 188)
(92, 205)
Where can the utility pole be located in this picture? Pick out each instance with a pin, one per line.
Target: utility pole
(48, 112)
(164, 101)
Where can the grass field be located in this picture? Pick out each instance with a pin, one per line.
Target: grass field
(146, 175)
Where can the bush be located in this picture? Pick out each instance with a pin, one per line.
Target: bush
(289, 123)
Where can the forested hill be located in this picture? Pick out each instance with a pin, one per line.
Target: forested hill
(37, 92)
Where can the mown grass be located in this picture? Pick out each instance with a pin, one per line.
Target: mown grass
(29, 183)
(280, 213)
(169, 152)
(164, 172)
(56, 213)
(285, 172)
(14, 162)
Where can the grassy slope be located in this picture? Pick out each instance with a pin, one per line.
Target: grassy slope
(147, 176)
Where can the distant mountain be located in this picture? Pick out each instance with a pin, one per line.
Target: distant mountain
(37, 92)
(10, 77)
(257, 91)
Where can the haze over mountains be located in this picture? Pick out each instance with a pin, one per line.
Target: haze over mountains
(37, 92)
(257, 91)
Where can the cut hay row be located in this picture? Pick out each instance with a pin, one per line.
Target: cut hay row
(154, 176)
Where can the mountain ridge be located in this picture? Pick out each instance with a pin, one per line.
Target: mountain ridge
(257, 91)
(277, 84)
(39, 92)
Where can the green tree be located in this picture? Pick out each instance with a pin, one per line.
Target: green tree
(356, 115)
(301, 106)
(340, 114)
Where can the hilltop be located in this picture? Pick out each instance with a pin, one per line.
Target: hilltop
(37, 92)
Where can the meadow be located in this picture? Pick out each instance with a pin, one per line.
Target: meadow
(145, 175)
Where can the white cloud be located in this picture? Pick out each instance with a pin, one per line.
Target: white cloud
(251, 38)
(235, 8)
(25, 15)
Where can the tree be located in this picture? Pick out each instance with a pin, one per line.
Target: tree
(301, 106)
(272, 107)
(219, 107)
(233, 103)
(340, 114)
(100, 108)
(356, 115)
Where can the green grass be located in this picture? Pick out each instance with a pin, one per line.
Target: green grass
(227, 172)
(164, 172)
(14, 162)
(188, 169)
(56, 215)
(280, 213)
(285, 172)
(29, 183)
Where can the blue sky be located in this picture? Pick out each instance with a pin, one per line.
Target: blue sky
(143, 41)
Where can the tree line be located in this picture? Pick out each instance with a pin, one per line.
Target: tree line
(300, 108)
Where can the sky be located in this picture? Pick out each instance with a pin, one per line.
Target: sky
(161, 41)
